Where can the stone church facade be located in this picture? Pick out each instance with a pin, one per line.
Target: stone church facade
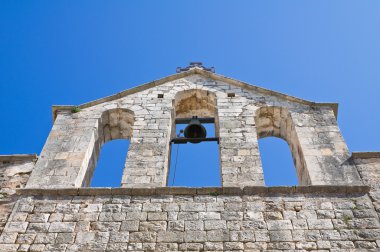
(46, 203)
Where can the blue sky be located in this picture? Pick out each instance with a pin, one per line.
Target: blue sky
(71, 52)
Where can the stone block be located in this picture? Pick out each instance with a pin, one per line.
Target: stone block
(279, 236)
(38, 227)
(153, 216)
(8, 237)
(191, 246)
(194, 225)
(153, 226)
(117, 247)
(111, 216)
(279, 224)
(282, 246)
(231, 246)
(38, 217)
(218, 235)
(320, 224)
(130, 225)
(215, 224)
(243, 236)
(170, 236)
(62, 227)
(176, 225)
(152, 207)
(105, 226)
(213, 246)
(92, 237)
(25, 238)
(16, 227)
(119, 237)
(9, 247)
(66, 238)
(142, 236)
(193, 207)
(262, 236)
(188, 216)
(299, 224)
(195, 236)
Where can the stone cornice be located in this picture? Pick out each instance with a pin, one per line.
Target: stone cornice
(18, 157)
(215, 191)
(365, 155)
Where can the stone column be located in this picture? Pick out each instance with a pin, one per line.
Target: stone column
(324, 149)
(239, 155)
(148, 154)
(67, 154)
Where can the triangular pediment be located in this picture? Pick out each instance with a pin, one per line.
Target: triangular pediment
(204, 73)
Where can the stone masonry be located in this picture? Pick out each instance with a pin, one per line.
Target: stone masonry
(14, 173)
(46, 204)
(71, 150)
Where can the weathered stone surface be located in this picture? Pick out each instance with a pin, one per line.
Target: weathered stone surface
(170, 236)
(14, 173)
(333, 209)
(210, 231)
(71, 151)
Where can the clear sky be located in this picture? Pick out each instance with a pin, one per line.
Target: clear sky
(71, 52)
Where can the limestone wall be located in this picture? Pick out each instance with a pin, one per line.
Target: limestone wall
(368, 165)
(97, 221)
(14, 173)
(72, 148)
(335, 208)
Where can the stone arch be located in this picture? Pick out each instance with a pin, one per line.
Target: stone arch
(277, 122)
(200, 102)
(191, 102)
(194, 101)
(115, 123)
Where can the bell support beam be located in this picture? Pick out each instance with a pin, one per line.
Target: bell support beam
(202, 120)
(184, 140)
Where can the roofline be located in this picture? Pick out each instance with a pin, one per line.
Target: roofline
(202, 72)
(365, 155)
(247, 190)
(18, 157)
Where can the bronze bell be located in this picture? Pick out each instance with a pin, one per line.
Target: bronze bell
(195, 130)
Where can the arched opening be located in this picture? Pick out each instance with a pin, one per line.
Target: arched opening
(115, 129)
(277, 122)
(195, 165)
(277, 162)
(110, 165)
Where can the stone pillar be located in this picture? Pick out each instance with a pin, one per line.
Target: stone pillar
(239, 155)
(148, 154)
(324, 150)
(67, 154)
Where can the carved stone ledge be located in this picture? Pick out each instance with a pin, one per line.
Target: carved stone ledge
(18, 157)
(365, 155)
(252, 190)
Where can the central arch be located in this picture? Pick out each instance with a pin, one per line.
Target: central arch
(195, 101)
(186, 104)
